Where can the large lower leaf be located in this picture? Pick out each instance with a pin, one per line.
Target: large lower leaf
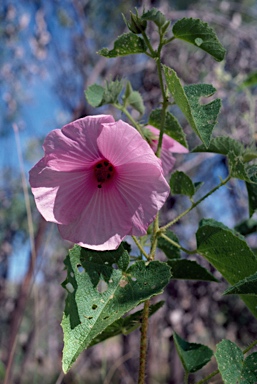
(90, 310)
(125, 325)
(229, 253)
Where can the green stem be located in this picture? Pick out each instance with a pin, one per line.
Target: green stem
(214, 373)
(140, 247)
(129, 116)
(247, 349)
(186, 377)
(195, 204)
(143, 344)
(178, 245)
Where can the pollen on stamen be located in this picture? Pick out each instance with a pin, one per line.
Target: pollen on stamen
(103, 171)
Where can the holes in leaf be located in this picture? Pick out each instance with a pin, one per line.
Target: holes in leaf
(80, 268)
(94, 306)
(69, 287)
(106, 317)
(102, 286)
(133, 278)
(115, 266)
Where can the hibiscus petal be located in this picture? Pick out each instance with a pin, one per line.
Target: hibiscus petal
(74, 146)
(102, 224)
(122, 144)
(144, 191)
(60, 196)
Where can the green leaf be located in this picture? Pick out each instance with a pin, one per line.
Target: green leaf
(200, 34)
(189, 270)
(193, 356)
(229, 253)
(171, 251)
(222, 145)
(252, 190)
(125, 325)
(249, 374)
(171, 126)
(238, 167)
(181, 184)
(156, 16)
(250, 80)
(233, 367)
(126, 44)
(230, 361)
(98, 96)
(90, 310)
(94, 95)
(204, 115)
(246, 286)
(247, 227)
(202, 118)
(135, 100)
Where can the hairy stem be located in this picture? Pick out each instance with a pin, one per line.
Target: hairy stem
(130, 117)
(178, 245)
(143, 344)
(140, 247)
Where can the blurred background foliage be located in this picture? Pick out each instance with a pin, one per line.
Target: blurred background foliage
(48, 58)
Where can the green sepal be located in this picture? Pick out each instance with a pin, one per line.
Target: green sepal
(201, 35)
(97, 95)
(156, 16)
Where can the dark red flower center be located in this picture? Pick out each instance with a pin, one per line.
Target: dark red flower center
(104, 171)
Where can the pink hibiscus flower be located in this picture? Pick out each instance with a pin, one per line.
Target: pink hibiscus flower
(169, 146)
(99, 181)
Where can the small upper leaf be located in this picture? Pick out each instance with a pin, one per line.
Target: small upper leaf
(250, 81)
(126, 44)
(193, 356)
(202, 118)
(170, 250)
(171, 126)
(222, 145)
(232, 366)
(229, 253)
(230, 361)
(189, 270)
(252, 190)
(196, 32)
(244, 287)
(181, 184)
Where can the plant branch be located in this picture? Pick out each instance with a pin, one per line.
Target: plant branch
(143, 343)
(140, 247)
(223, 182)
(178, 245)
